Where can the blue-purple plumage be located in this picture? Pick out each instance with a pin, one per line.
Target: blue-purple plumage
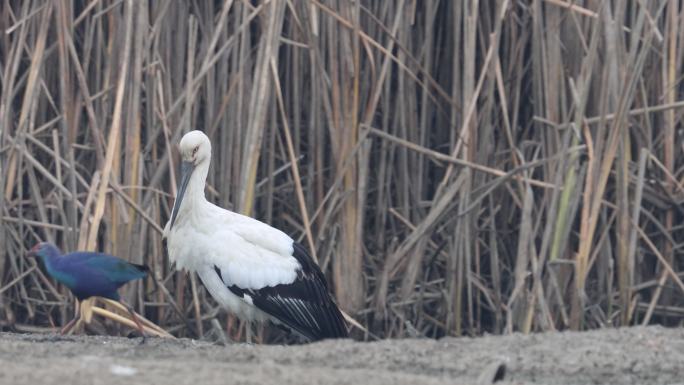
(88, 274)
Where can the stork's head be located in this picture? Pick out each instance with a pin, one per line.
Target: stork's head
(195, 149)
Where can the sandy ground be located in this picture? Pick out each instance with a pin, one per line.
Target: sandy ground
(652, 355)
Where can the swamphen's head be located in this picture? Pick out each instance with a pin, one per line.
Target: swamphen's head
(44, 250)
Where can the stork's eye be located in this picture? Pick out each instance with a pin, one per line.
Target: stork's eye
(194, 150)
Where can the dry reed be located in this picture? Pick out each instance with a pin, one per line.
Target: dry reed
(456, 167)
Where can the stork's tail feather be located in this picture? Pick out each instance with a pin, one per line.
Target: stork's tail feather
(332, 328)
(340, 329)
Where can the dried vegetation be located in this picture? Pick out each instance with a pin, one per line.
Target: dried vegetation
(456, 167)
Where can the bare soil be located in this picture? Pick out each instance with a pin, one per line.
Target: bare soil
(652, 355)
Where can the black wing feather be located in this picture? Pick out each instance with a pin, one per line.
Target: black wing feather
(304, 305)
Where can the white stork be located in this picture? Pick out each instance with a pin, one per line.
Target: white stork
(255, 271)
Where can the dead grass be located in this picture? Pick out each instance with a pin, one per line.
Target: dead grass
(455, 167)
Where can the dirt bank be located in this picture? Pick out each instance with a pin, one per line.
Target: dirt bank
(651, 355)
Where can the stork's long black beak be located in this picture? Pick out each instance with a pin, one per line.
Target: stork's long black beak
(186, 171)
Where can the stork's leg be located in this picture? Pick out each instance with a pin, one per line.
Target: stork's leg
(73, 321)
(248, 332)
(134, 318)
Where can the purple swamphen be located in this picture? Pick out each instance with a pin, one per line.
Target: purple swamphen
(89, 274)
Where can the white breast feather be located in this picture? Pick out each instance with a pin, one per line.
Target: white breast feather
(260, 233)
(251, 266)
(249, 253)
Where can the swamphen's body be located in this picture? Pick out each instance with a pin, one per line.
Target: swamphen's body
(89, 274)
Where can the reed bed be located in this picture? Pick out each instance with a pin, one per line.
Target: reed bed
(456, 167)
